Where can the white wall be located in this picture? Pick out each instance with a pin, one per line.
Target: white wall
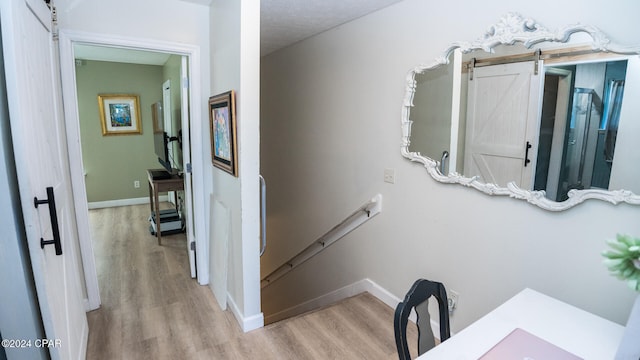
(166, 21)
(331, 109)
(168, 24)
(235, 60)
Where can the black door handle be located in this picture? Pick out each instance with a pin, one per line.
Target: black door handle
(526, 154)
(51, 201)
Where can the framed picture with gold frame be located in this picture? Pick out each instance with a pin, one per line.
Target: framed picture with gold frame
(222, 127)
(120, 114)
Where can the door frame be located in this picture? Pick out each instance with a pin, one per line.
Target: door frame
(559, 128)
(194, 128)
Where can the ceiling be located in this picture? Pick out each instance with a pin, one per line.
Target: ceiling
(282, 23)
(285, 22)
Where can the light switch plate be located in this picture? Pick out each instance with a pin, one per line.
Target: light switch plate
(390, 176)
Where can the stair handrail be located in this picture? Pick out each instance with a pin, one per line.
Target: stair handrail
(363, 214)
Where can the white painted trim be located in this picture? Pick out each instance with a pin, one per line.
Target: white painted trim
(356, 288)
(76, 169)
(67, 65)
(381, 293)
(186, 163)
(246, 323)
(124, 202)
(248, 113)
(82, 353)
(253, 322)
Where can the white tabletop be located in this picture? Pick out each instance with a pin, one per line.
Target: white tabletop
(572, 329)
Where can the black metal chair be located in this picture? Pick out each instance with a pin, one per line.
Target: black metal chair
(417, 298)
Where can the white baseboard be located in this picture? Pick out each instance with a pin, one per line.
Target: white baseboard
(246, 323)
(359, 287)
(382, 294)
(123, 202)
(84, 334)
(89, 305)
(364, 285)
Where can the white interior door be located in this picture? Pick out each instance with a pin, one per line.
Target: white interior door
(167, 123)
(186, 160)
(41, 158)
(502, 119)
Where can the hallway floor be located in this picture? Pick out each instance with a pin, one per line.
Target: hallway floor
(152, 309)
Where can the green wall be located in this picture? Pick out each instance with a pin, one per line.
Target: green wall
(112, 163)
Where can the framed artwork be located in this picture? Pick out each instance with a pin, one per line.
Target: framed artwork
(222, 126)
(120, 114)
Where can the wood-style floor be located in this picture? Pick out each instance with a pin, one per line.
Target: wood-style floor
(152, 309)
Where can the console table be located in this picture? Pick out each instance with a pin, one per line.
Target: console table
(156, 186)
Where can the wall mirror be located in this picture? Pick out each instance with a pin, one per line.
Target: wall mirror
(544, 116)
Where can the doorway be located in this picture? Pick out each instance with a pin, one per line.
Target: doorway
(580, 118)
(555, 109)
(191, 145)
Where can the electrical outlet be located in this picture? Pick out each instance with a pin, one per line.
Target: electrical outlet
(452, 300)
(390, 176)
(136, 184)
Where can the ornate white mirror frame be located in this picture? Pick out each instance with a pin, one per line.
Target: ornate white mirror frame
(512, 29)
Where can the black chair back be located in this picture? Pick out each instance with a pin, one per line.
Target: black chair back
(417, 298)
